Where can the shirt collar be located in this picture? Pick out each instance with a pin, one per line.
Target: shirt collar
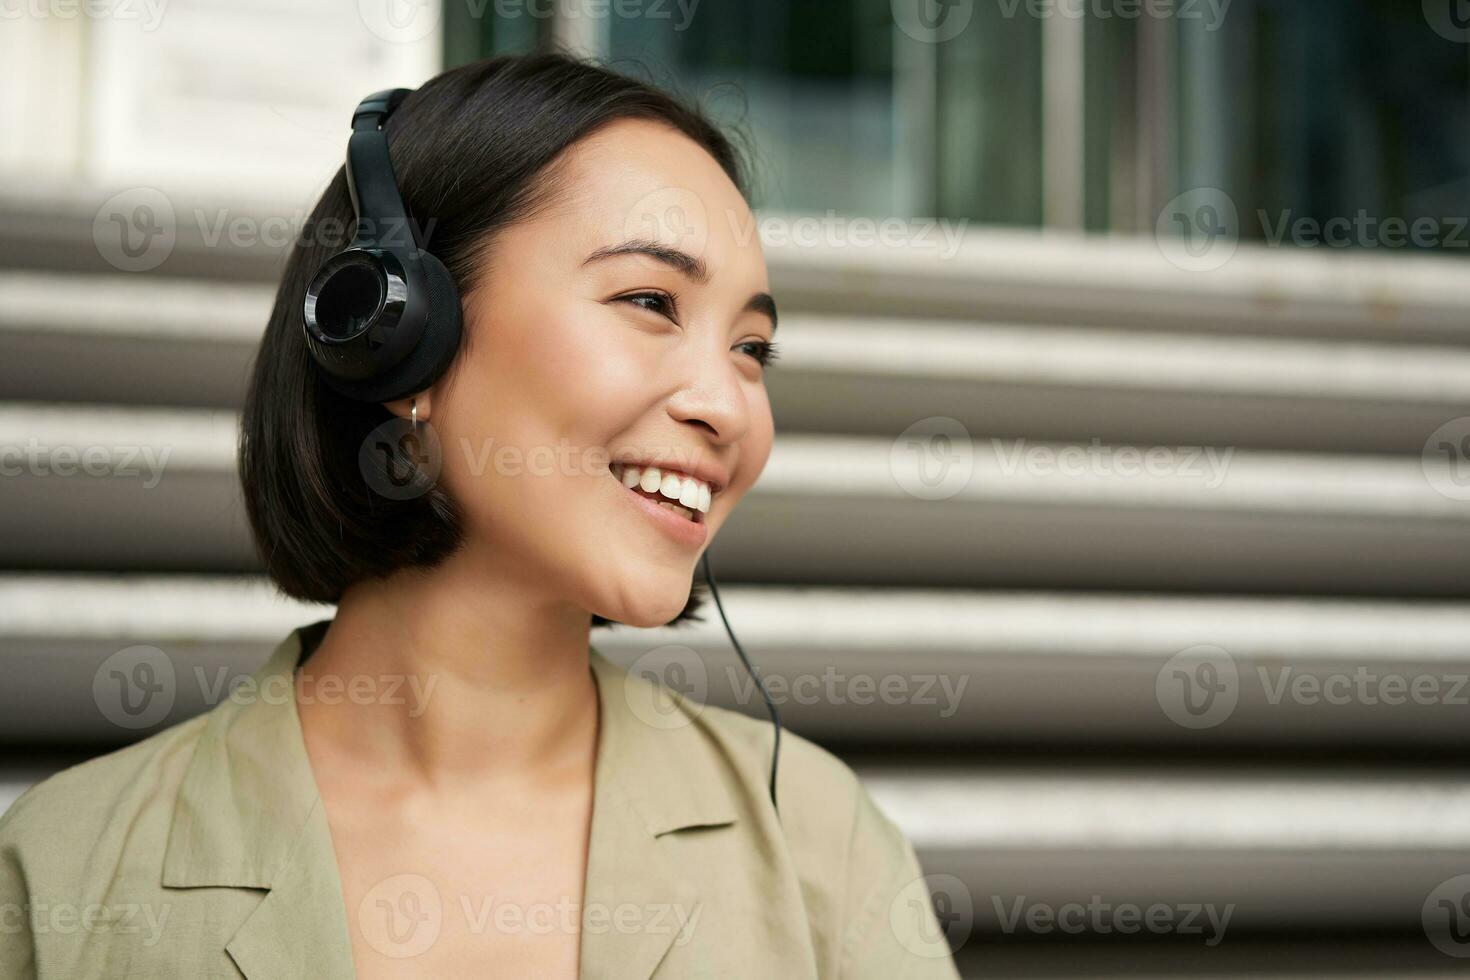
(249, 793)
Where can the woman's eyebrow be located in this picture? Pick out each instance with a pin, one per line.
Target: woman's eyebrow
(691, 266)
(763, 303)
(681, 261)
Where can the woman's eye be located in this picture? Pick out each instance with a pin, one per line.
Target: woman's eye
(659, 303)
(764, 351)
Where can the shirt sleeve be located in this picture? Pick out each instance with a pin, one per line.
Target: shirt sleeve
(892, 931)
(17, 943)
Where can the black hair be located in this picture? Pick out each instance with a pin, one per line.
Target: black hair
(472, 151)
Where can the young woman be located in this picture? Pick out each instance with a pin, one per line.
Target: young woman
(446, 779)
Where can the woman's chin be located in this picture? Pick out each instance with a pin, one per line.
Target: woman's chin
(650, 608)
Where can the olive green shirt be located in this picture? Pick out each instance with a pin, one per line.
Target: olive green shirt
(203, 851)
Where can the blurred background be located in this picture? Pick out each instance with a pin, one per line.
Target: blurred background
(1118, 527)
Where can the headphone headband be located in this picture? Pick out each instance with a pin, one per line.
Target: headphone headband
(370, 180)
(381, 318)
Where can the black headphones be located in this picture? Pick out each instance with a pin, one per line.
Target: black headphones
(382, 316)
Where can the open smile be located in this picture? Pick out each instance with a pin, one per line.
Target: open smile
(676, 503)
(679, 493)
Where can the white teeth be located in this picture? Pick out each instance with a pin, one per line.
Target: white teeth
(691, 493)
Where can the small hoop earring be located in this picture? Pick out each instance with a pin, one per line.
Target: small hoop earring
(415, 415)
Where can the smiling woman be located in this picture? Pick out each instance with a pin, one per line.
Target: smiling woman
(548, 446)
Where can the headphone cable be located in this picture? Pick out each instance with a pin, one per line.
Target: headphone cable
(755, 676)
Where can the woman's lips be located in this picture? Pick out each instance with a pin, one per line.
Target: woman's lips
(682, 529)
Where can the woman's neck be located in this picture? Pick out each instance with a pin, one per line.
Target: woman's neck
(461, 673)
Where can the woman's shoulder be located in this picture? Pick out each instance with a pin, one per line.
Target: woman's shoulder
(820, 796)
(81, 802)
(864, 889)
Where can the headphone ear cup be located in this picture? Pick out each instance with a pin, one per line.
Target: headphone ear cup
(435, 348)
(439, 343)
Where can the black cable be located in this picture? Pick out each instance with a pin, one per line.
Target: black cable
(750, 669)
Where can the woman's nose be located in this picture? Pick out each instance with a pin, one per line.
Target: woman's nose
(713, 399)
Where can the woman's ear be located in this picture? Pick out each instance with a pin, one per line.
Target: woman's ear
(404, 407)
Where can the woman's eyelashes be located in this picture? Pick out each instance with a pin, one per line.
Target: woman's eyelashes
(666, 306)
(765, 351)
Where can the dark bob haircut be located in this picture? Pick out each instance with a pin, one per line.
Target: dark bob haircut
(471, 151)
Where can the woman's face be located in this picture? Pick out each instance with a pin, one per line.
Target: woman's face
(622, 324)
